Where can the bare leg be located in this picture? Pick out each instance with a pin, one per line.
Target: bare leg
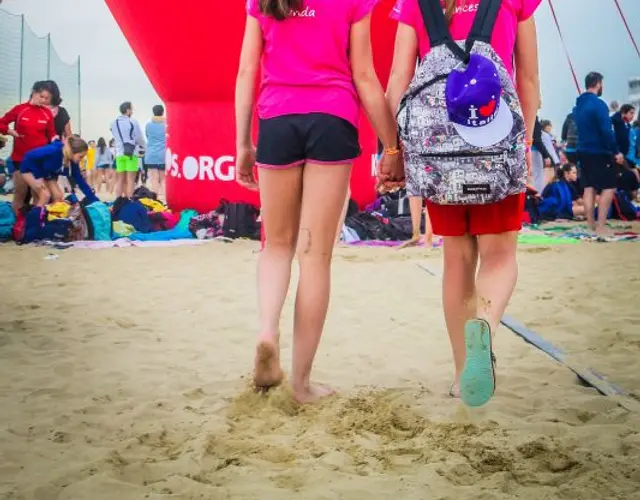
(161, 175)
(280, 195)
(589, 198)
(415, 207)
(343, 216)
(155, 183)
(20, 192)
(324, 191)
(121, 180)
(497, 275)
(131, 184)
(459, 292)
(56, 192)
(606, 198)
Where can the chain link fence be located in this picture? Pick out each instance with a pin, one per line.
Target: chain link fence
(26, 58)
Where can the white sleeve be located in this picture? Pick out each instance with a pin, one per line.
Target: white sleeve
(139, 135)
(548, 144)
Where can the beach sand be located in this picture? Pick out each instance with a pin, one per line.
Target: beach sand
(125, 374)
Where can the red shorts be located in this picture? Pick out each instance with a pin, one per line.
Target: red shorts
(495, 218)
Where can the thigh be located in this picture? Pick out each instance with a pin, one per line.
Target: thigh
(448, 220)
(497, 218)
(280, 142)
(323, 193)
(330, 140)
(54, 189)
(281, 198)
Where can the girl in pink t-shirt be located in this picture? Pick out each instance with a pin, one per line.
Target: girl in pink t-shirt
(475, 233)
(317, 68)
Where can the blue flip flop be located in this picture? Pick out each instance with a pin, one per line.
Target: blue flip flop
(478, 378)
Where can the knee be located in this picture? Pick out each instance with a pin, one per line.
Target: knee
(281, 244)
(310, 246)
(500, 251)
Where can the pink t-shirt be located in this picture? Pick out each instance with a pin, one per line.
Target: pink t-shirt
(504, 34)
(305, 61)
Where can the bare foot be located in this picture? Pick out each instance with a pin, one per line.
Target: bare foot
(413, 242)
(454, 391)
(312, 394)
(267, 372)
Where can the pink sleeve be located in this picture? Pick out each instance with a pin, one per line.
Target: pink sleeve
(527, 9)
(407, 12)
(362, 8)
(252, 8)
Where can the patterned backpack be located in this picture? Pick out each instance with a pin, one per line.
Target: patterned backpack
(460, 121)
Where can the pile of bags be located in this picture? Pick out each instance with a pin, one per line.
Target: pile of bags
(388, 218)
(142, 218)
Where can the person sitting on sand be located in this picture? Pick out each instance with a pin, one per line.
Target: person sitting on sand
(474, 298)
(308, 140)
(41, 167)
(560, 199)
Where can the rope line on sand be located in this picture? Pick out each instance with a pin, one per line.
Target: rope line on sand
(586, 374)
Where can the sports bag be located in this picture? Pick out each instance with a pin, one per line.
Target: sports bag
(460, 121)
(98, 219)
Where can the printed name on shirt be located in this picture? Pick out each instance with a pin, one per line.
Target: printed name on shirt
(460, 9)
(306, 12)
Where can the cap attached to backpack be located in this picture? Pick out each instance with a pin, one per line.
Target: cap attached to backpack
(475, 104)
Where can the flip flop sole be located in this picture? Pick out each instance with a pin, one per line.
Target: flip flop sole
(477, 381)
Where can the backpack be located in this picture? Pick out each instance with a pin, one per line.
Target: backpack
(240, 221)
(395, 204)
(79, 224)
(56, 230)
(572, 133)
(441, 164)
(622, 207)
(32, 228)
(7, 221)
(98, 219)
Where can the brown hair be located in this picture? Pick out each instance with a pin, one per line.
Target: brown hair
(450, 9)
(74, 145)
(279, 9)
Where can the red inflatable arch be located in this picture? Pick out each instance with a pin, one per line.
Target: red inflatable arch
(190, 53)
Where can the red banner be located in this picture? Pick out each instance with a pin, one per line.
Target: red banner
(191, 58)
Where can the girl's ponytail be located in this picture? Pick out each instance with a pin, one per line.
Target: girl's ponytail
(279, 9)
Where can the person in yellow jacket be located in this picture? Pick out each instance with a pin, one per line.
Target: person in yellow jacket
(89, 169)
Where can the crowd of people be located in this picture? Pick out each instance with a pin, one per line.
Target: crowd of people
(596, 159)
(49, 161)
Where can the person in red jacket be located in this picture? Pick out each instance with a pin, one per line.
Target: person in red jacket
(33, 127)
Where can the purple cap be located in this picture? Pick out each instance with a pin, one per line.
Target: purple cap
(474, 98)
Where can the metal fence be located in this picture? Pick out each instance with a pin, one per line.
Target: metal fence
(26, 58)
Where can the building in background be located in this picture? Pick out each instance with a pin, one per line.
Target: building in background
(634, 92)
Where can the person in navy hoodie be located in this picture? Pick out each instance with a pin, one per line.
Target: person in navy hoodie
(597, 152)
(41, 168)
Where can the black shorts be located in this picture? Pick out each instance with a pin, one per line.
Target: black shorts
(598, 171)
(291, 140)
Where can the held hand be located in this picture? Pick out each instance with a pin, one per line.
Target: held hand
(246, 160)
(13, 133)
(391, 168)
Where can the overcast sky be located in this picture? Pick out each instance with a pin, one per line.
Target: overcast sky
(111, 74)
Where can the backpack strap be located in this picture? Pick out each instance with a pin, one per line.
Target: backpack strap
(483, 23)
(437, 28)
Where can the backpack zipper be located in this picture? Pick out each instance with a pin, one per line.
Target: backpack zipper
(504, 155)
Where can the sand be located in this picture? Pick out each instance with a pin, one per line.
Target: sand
(125, 374)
